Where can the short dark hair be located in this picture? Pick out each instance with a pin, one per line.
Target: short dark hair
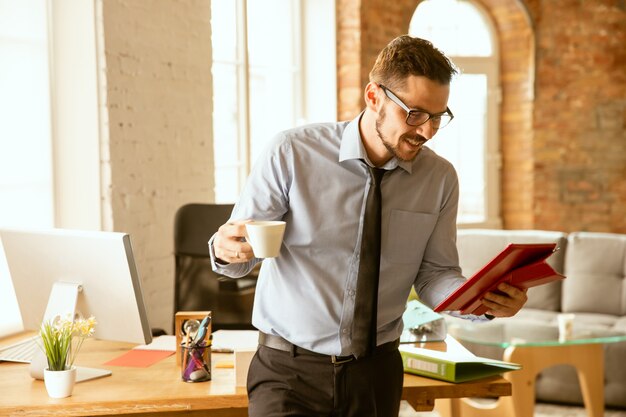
(407, 55)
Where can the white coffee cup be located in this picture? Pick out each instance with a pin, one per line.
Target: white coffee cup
(566, 326)
(265, 237)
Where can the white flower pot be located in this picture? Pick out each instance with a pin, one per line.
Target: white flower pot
(59, 384)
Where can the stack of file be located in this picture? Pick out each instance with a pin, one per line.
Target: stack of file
(450, 361)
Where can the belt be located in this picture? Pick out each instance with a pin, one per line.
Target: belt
(277, 342)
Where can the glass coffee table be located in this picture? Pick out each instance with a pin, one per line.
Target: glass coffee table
(535, 345)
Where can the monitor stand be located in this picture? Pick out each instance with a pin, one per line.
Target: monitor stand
(62, 302)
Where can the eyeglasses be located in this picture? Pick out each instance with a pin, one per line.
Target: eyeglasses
(416, 117)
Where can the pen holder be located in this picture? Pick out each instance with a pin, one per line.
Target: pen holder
(196, 363)
(180, 319)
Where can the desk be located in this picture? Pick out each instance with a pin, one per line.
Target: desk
(157, 391)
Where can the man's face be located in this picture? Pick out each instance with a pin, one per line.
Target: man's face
(401, 140)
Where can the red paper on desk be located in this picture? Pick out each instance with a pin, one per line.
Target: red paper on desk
(521, 265)
(140, 358)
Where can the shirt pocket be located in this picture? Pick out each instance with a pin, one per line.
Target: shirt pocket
(407, 235)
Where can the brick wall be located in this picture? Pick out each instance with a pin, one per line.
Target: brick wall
(158, 153)
(349, 66)
(563, 113)
(516, 46)
(580, 115)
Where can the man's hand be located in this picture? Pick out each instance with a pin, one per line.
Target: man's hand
(230, 245)
(506, 302)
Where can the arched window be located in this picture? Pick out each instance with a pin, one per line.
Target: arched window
(464, 32)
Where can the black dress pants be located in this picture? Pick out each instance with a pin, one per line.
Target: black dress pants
(291, 384)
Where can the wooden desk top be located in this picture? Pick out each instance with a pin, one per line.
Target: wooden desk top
(159, 391)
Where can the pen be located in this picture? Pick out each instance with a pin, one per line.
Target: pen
(202, 332)
(185, 350)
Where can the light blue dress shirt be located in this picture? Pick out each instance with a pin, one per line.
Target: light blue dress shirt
(313, 177)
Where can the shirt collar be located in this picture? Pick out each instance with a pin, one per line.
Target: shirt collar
(352, 148)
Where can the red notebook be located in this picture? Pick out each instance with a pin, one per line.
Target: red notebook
(519, 264)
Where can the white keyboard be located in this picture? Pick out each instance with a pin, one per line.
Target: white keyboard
(20, 352)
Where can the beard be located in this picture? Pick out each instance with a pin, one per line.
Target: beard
(415, 141)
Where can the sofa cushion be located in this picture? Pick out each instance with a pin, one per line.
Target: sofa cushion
(595, 266)
(534, 314)
(478, 246)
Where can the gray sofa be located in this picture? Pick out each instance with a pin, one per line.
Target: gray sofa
(595, 289)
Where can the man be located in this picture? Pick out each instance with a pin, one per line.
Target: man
(310, 360)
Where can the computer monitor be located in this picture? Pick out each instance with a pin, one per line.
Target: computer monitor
(93, 271)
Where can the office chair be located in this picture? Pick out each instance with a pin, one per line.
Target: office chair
(196, 286)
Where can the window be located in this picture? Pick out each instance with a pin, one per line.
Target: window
(273, 69)
(49, 160)
(25, 176)
(466, 35)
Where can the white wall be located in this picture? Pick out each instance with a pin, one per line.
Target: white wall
(158, 103)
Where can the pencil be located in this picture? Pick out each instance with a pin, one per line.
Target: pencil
(185, 351)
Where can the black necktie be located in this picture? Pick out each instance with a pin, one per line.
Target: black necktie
(364, 326)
